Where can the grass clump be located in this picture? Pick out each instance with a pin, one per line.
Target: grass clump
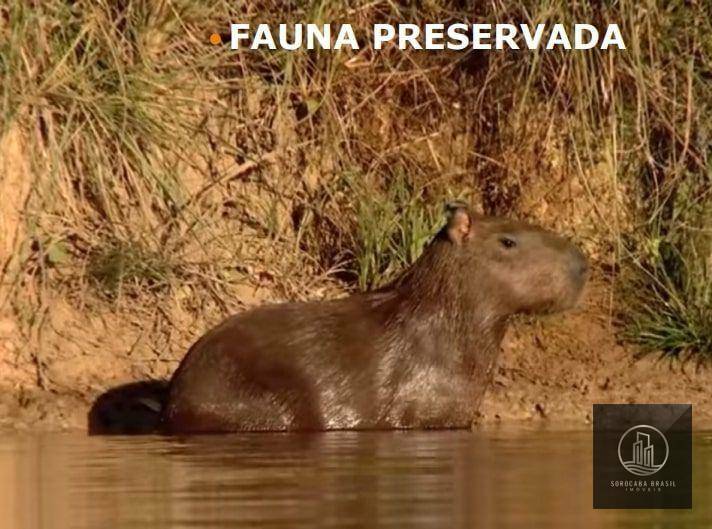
(129, 268)
(668, 254)
(392, 228)
(674, 315)
(671, 294)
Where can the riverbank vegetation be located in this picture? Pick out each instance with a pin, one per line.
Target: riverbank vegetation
(145, 167)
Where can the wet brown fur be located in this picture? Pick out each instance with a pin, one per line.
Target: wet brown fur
(416, 354)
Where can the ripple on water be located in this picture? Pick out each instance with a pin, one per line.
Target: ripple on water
(497, 478)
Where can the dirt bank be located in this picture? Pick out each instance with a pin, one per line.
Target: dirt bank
(555, 369)
(550, 372)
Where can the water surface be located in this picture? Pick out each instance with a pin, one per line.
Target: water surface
(495, 478)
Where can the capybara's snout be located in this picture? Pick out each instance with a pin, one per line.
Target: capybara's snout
(578, 270)
(578, 266)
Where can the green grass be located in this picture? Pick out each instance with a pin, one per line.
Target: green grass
(392, 228)
(671, 294)
(123, 266)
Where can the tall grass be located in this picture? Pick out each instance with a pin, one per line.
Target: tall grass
(643, 113)
(160, 162)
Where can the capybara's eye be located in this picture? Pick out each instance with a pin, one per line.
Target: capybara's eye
(507, 242)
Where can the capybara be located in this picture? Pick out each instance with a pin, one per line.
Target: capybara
(418, 353)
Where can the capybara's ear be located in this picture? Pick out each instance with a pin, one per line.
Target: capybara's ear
(459, 222)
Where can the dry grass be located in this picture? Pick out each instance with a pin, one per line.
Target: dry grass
(162, 165)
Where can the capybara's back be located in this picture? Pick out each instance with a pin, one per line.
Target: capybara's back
(417, 354)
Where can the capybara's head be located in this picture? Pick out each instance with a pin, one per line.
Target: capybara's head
(511, 266)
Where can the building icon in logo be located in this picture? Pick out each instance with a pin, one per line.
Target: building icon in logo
(639, 444)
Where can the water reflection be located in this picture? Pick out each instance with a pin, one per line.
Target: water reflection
(502, 478)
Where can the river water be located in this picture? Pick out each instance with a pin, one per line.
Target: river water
(492, 478)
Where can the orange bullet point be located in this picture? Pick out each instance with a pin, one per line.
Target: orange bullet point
(215, 39)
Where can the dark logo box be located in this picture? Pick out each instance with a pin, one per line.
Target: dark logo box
(642, 456)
